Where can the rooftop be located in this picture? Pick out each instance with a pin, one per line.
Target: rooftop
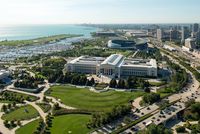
(113, 59)
(87, 60)
(140, 63)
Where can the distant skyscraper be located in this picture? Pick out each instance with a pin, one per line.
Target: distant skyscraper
(159, 34)
(185, 33)
(198, 36)
(195, 28)
(174, 34)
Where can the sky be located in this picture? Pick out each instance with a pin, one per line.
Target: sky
(98, 11)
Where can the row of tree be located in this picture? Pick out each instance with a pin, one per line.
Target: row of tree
(11, 97)
(178, 78)
(130, 83)
(43, 127)
(99, 119)
(9, 107)
(156, 129)
(72, 78)
(11, 124)
(192, 112)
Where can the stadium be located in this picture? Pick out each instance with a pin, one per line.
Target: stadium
(137, 44)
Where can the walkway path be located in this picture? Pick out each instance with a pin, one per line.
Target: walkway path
(22, 124)
(40, 111)
(3, 129)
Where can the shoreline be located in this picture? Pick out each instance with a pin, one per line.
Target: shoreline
(12, 52)
(38, 41)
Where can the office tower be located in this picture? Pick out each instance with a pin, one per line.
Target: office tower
(195, 28)
(185, 33)
(159, 34)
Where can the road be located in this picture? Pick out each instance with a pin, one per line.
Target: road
(190, 91)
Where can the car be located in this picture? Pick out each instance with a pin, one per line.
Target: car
(134, 129)
(169, 113)
(148, 108)
(164, 116)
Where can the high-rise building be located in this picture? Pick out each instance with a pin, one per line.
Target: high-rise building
(159, 34)
(198, 36)
(163, 34)
(185, 33)
(195, 28)
(174, 34)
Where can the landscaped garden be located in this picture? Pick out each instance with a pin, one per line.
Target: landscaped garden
(71, 123)
(28, 128)
(84, 99)
(44, 106)
(21, 113)
(14, 96)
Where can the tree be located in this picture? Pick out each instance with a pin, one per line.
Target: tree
(151, 98)
(4, 108)
(56, 106)
(92, 81)
(189, 102)
(9, 106)
(12, 123)
(14, 104)
(19, 123)
(147, 90)
(88, 83)
(121, 84)
(6, 123)
(113, 83)
(153, 129)
(180, 129)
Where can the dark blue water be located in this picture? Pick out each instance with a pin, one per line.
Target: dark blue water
(23, 32)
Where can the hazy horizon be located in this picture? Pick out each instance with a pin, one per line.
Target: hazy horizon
(99, 11)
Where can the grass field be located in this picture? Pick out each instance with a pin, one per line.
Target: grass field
(74, 123)
(85, 99)
(21, 113)
(28, 128)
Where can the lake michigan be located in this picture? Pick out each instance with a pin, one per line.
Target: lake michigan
(23, 32)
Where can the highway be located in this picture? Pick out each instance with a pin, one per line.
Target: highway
(191, 91)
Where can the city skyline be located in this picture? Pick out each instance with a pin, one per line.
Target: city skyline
(98, 11)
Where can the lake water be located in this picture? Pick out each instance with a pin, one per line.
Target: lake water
(23, 32)
(9, 53)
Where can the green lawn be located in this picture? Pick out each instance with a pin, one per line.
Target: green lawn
(21, 113)
(28, 128)
(74, 123)
(85, 99)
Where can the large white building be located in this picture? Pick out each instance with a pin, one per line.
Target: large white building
(115, 65)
